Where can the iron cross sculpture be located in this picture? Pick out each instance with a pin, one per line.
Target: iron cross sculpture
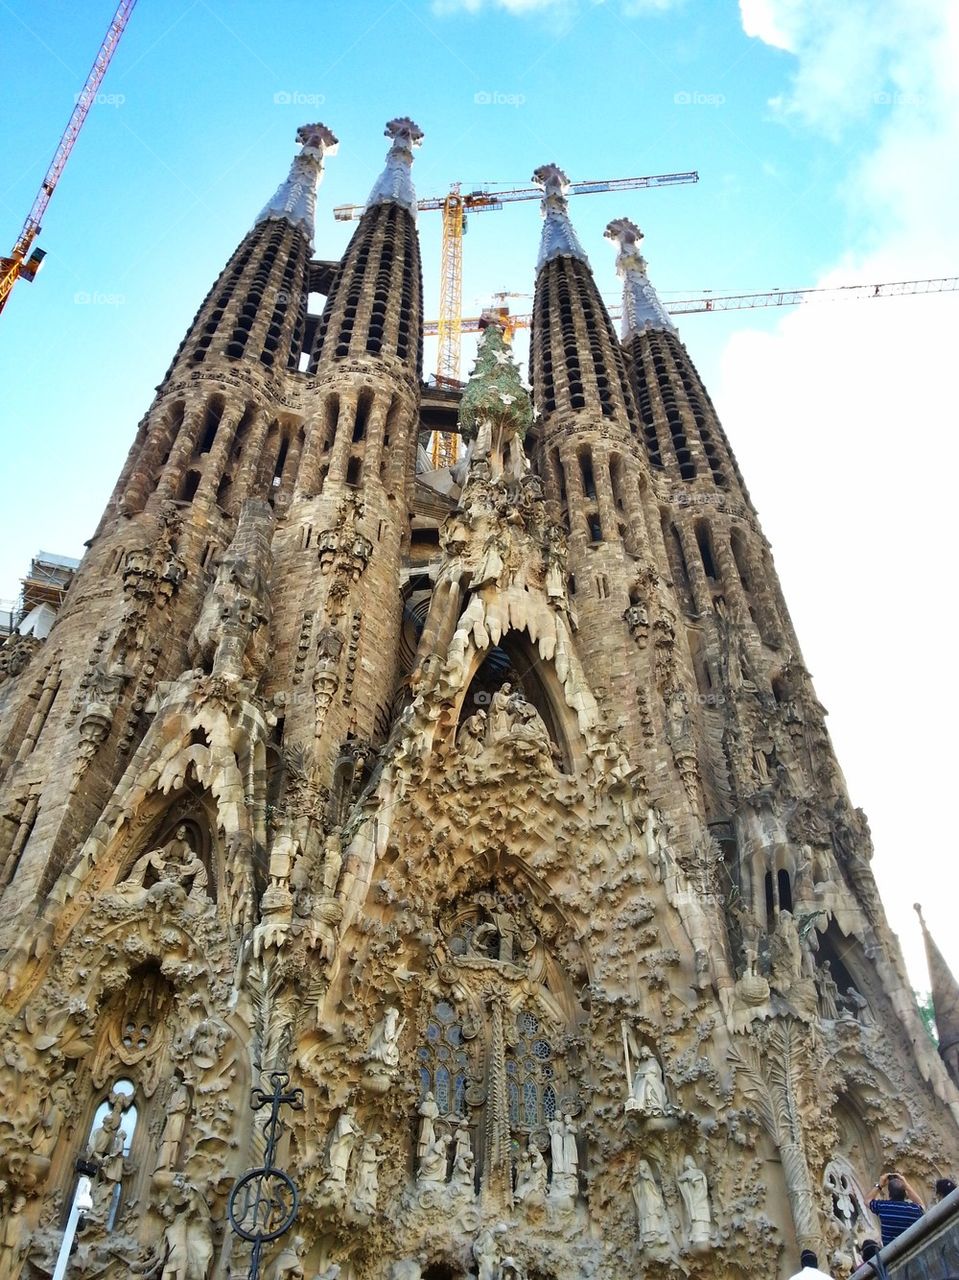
(264, 1201)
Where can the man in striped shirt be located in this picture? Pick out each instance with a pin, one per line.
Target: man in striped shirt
(902, 1208)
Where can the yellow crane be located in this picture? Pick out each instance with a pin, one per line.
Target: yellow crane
(454, 206)
(19, 265)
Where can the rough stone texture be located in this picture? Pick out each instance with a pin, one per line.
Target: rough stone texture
(500, 813)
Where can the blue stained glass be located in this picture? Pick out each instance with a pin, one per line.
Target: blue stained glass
(529, 1103)
(442, 1090)
(426, 1081)
(549, 1103)
(454, 1035)
(541, 1049)
(513, 1103)
(433, 1032)
(445, 1012)
(442, 1053)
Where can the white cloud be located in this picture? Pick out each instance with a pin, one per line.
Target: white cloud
(844, 422)
(854, 56)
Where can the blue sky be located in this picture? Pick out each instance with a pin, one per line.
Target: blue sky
(822, 133)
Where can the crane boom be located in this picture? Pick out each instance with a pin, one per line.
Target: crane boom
(741, 301)
(16, 265)
(483, 200)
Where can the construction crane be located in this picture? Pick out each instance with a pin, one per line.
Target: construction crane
(454, 207)
(19, 265)
(730, 302)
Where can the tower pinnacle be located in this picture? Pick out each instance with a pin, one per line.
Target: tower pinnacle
(945, 999)
(559, 240)
(295, 199)
(642, 308)
(395, 183)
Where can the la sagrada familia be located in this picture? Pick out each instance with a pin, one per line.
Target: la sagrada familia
(479, 821)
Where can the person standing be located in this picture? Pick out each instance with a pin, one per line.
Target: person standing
(901, 1208)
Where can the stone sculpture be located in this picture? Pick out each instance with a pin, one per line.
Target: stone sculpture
(695, 1193)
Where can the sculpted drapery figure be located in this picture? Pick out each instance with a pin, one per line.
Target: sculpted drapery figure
(345, 1134)
(565, 1157)
(434, 1160)
(648, 1093)
(367, 1175)
(177, 1113)
(175, 862)
(531, 1177)
(384, 1046)
(695, 1193)
(429, 1113)
(650, 1209)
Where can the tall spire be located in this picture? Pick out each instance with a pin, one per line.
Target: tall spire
(642, 308)
(395, 183)
(945, 1000)
(295, 199)
(559, 240)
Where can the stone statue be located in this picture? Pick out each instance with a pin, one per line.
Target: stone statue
(695, 1193)
(464, 1168)
(383, 1046)
(471, 739)
(177, 1113)
(650, 1209)
(433, 1162)
(785, 953)
(429, 1113)
(500, 714)
(175, 862)
(486, 1252)
(367, 1175)
(828, 992)
(345, 1133)
(565, 1157)
(648, 1091)
(531, 1177)
(59, 1107)
(407, 1269)
(528, 727)
(288, 1264)
(13, 1238)
(187, 1249)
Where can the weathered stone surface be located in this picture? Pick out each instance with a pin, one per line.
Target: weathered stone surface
(508, 825)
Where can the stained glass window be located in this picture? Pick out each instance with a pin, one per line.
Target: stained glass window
(443, 1061)
(530, 1075)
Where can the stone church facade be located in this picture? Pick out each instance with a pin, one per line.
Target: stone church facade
(492, 806)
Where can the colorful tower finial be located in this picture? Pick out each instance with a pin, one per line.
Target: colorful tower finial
(559, 239)
(494, 392)
(295, 199)
(642, 308)
(395, 183)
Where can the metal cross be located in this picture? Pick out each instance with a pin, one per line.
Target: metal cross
(264, 1201)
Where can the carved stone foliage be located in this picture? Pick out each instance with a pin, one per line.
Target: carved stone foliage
(231, 637)
(344, 552)
(15, 653)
